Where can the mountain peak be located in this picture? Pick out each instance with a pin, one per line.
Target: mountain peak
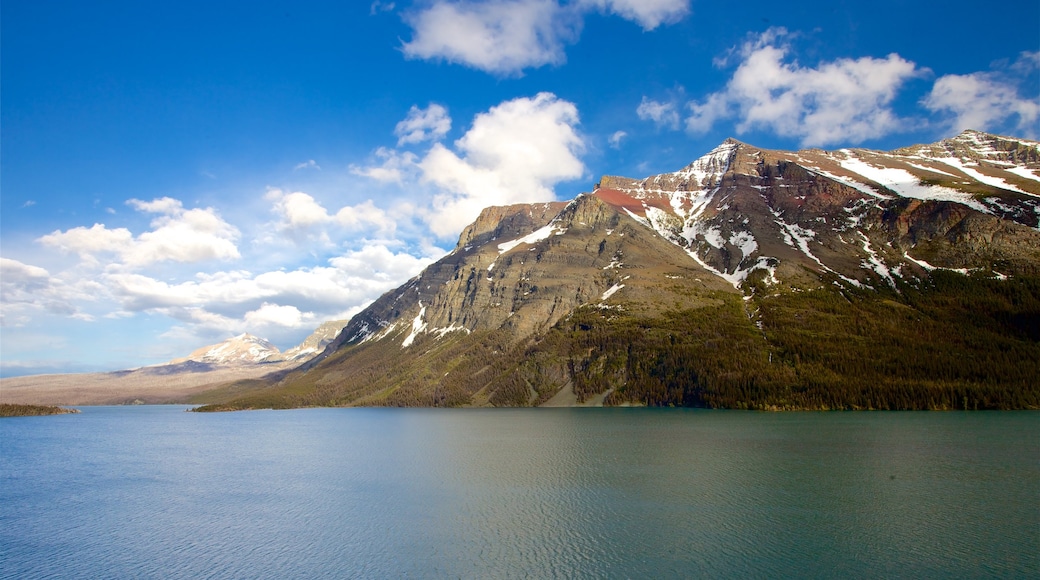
(718, 271)
(241, 349)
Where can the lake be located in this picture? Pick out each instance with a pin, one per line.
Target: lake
(155, 492)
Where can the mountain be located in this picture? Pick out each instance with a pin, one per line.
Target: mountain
(749, 279)
(244, 349)
(195, 377)
(316, 342)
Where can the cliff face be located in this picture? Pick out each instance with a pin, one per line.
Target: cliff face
(740, 280)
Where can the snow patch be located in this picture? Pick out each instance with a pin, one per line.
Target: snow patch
(875, 263)
(440, 332)
(1023, 172)
(907, 184)
(418, 326)
(538, 235)
(982, 177)
(611, 291)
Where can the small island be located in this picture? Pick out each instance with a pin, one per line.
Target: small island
(9, 410)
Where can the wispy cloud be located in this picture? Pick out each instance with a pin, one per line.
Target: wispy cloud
(379, 6)
(662, 114)
(989, 100)
(429, 124)
(615, 139)
(309, 164)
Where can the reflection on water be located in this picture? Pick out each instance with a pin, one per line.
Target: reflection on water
(155, 492)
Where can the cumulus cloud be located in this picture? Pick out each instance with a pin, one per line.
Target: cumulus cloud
(86, 242)
(25, 289)
(296, 298)
(989, 100)
(177, 235)
(845, 100)
(505, 37)
(193, 235)
(514, 153)
(501, 36)
(663, 114)
(647, 13)
(301, 216)
(280, 315)
(429, 124)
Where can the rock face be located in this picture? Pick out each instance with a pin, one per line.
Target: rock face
(316, 342)
(722, 284)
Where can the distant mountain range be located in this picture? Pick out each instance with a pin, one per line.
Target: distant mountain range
(751, 278)
(246, 349)
(243, 357)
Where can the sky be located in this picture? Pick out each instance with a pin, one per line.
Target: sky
(176, 173)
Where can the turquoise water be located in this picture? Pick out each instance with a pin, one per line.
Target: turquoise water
(154, 492)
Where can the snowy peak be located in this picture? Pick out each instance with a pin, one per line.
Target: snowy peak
(243, 349)
(743, 218)
(996, 175)
(743, 212)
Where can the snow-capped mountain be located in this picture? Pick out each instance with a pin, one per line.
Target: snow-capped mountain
(244, 349)
(750, 278)
(740, 209)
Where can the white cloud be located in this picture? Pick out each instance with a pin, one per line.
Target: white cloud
(663, 114)
(301, 216)
(86, 242)
(273, 314)
(429, 124)
(298, 298)
(499, 36)
(309, 164)
(988, 101)
(514, 153)
(177, 235)
(845, 100)
(616, 138)
(297, 209)
(647, 13)
(25, 289)
(163, 205)
(396, 166)
(506, 36)
(378, 7)
(195, 235)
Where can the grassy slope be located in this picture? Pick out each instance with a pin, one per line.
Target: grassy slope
(953, 342)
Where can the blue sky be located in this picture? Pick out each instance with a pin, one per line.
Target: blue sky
(173, 174)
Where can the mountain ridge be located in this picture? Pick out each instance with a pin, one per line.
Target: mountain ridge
(743, 277)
